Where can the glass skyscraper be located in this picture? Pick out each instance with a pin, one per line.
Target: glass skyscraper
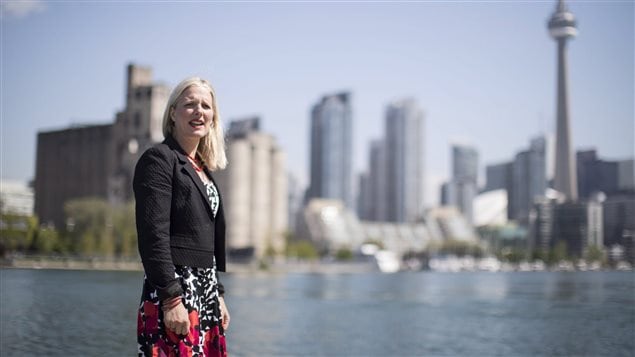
(331, 149)
(404, 161)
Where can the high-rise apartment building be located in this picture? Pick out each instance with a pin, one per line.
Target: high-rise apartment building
(404, 161)
(331, 149)
(254, 189)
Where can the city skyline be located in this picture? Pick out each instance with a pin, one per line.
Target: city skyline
(493, 68)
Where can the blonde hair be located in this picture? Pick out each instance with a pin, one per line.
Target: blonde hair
(211, 147)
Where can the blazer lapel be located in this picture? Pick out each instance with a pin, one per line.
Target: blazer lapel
(189, 170)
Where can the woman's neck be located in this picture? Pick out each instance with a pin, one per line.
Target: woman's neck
(189, 145)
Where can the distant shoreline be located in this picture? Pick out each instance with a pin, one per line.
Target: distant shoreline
(103, 264)
(279, 267)
(68, 263)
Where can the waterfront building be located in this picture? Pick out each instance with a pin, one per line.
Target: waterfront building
(404, 161)
(16, 197)
(331, 227)
(71, 163)
(331, 149)
(490, 208)
(449, 223)
(504, 236)
(579, 225)
(541, 220)
(255, 195)
(619, 220)
(98, 160)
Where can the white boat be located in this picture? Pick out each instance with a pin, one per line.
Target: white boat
(387, 261)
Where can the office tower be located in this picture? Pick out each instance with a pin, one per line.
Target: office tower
(562, 26)
(541, 219)
(373, 190)
(363, 197)
(254, 191)
(497, 176)
(595, 175)
(331, 149)
(579, 225)
(294, 200)
(404, 161)
(626, 175)
(462, 188)
(619, 219)
(529, 180)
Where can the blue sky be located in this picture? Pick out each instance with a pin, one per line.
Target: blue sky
(482, 71)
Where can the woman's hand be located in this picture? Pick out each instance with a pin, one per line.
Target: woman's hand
(224, 313)
(176, 319)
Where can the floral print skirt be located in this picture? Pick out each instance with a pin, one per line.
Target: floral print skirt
(206, 337)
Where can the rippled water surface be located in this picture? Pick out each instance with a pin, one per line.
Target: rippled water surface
(93, 313)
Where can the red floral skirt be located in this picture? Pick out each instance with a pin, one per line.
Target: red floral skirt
(206, 336)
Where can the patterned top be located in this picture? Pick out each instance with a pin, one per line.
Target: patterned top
(212, 196)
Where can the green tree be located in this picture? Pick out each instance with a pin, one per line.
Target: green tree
(558, 253)
(513, 255)
(302, 249)
(45, 241)
(16, 232)
(460, 248)
(343, 254)
(594, 254)
(89, 229)
(540, 254)
(124, 230)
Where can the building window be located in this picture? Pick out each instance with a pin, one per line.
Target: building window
(137, 120)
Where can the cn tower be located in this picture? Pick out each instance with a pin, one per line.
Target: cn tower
(562, 26)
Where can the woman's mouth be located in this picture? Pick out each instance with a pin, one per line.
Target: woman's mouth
(196, 123)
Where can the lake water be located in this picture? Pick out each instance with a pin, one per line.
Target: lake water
(93, 313)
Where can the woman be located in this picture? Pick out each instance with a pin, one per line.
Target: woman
(181, 230)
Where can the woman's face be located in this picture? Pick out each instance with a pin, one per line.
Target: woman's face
(192, 113)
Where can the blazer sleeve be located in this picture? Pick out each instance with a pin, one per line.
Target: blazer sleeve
(152, 185)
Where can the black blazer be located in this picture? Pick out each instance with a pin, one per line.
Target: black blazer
(175, 222)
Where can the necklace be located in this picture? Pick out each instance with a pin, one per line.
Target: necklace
(198, 167)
